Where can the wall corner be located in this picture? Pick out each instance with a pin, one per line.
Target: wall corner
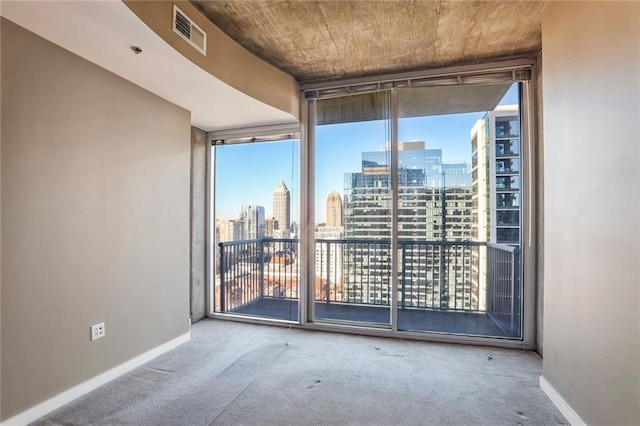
(197, 279)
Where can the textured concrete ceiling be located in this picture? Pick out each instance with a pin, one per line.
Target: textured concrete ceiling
(318, 40)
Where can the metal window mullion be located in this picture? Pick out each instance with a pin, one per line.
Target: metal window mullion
(394, 209)
(210, 231)
(307, 238)
(528, 253)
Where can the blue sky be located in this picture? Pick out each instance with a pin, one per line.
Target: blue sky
(248, 174)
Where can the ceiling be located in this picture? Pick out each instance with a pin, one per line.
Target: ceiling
(311, 40)
(104, 31)
(328, 40)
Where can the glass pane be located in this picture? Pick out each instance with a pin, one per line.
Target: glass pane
(353, 209)
(508, 235)
(507, 147)
(507, 183)
(508, 200)
(508, 218)
(507, 126)
(256, 231)
(457, 159)
(509, 165)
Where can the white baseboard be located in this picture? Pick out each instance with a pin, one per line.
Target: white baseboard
(77, 391)
(562, 405)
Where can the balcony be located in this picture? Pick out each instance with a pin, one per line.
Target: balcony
(470, 288)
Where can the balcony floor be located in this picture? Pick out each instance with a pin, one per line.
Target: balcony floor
(468, 323)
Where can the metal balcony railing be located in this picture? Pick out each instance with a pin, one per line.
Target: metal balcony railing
(253, 269)
(503, 287)
(432, 274)
(458, 276)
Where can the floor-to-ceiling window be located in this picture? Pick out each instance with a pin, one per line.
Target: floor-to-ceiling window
(458, 201)
(414, 214)
(353, 209)
(433, 214)
(256, 270)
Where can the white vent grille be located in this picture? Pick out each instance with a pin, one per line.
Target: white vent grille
(188, 30)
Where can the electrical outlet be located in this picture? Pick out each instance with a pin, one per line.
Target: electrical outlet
(97, 331)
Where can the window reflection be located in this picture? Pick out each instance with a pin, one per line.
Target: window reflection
(508, 200)
(508, 166)
(507, 127)
(507, 182)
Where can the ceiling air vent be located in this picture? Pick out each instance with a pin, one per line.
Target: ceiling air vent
(189, 31)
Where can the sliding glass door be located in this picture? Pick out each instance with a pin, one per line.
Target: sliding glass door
(405, 210)
(353, 209)
(458, 202)
(256, 245)
(418, 207)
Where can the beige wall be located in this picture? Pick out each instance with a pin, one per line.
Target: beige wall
(95, 220)
(591, 55)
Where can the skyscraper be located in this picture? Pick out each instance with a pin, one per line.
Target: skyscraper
(495, 148)
(329, 259)
(252, 217)
(434, 204)
(334, 217)
(228, 230)
(495, 144)
(269, 226)
(434, 197)
(282, 206)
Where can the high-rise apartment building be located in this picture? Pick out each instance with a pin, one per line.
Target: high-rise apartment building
(495, 145)
(269, 226)
(329, 258)
(253, 221)
(434, 204)
(228, 230)
(329, 262)
(495, 167)
(282, 206)
(334, 217)
(282, 233)
(424, 182)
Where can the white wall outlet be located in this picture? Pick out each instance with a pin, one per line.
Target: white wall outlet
(97, 331)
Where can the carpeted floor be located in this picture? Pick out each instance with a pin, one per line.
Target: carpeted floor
(242, 374)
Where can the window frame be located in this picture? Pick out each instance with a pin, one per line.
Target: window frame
(518, 70)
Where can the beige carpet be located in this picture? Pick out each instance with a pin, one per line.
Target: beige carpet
(241, 374)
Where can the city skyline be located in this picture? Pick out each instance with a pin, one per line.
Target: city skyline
(443, 207)
(249, 172)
